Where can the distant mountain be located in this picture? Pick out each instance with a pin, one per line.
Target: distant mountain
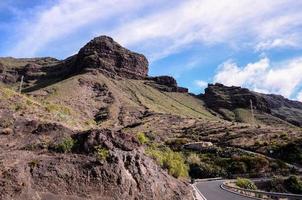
(226, 100)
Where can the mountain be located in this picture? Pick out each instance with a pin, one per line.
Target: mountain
(227, 100)
(96, 126)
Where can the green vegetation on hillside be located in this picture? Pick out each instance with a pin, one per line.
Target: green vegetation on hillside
(174, 162)
(66, 145)
(246, 184)
(142, 138)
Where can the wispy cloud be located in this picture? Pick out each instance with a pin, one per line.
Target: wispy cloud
(276, 43)
(258, 22)
(160, 32)
(263, 76)
(299, 96)
(65, 18)
(201, 83)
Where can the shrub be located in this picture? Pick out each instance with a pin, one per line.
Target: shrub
(66, 145)
(205, 170)
(284, 136)
(193, 159)
(293, 184)
(246, 184)
(237, 168)
(291, 152)
(34, 163)
(142, 138)
(102, 153)
(170, 160)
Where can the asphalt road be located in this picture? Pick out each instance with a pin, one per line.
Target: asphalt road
(211, 191)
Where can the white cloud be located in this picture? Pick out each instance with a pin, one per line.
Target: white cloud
(63, 19)
(299, 96)
(263, 76)
(201, 83)
(163, 30)
(209, 22)
(275, 43)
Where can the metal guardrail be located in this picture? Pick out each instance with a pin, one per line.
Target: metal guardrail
(206, 179)
(257, 194)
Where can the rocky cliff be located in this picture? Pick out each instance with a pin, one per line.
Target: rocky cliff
(101, 55)
(105, 54)
(218, 97)
(166, 83)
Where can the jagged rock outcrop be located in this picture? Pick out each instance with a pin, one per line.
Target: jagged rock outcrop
(220, 96)
(32, 170)
(217, 97)
(105, 54)
(166, 83)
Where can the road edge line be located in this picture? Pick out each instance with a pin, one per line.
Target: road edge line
(202, 197)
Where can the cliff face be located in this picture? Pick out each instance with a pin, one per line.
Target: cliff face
(105, 54)
(166, 84)
(218, 96)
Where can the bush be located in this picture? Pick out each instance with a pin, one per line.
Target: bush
(254, 164)
(170, 160)
(237, 168)
(291, 152)
(66, 145)
(142, 138)
(204, 170)
(102, 153)
(246, 184)
(34, 163)
(293, 184)
(193, 159)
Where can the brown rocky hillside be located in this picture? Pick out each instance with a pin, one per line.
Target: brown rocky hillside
(96, 126)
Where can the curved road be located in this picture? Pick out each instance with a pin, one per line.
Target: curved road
(211, 191)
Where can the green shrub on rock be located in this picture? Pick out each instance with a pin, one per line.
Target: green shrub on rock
(246, 184)
(142, 138)
(174, 162)
(66, 145)
(102, 153)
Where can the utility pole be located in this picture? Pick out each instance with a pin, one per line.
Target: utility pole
(21, 83)
(252, 111)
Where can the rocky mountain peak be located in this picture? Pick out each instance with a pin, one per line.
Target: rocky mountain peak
(220, 97)
(106, 55)
(231, 97)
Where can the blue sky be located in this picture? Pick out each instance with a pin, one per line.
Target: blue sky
(250, 43)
